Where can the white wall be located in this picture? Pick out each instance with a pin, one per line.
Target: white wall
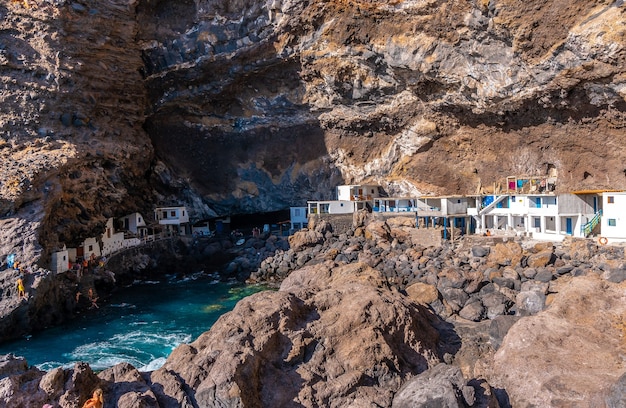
(91, 246)
(298, 214)
(613, 223)
(348, 192)
(60, 261)
(455, 205)
(171, 215)
(134, 221)
(341, 207)
(112, 244)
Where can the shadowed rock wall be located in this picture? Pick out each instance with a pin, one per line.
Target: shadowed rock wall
(239, 107)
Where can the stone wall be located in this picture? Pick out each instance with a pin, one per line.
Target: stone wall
(341, 223)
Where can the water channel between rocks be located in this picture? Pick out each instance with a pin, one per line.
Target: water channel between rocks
(140, 324)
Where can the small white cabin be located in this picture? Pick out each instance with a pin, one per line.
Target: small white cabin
(298, 218)
(135, 223)
(175, 219)
(60, 261)
(88, 247)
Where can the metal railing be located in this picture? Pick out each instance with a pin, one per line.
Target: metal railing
(588, 227)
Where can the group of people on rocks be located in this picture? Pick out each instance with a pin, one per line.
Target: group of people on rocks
(83, 265)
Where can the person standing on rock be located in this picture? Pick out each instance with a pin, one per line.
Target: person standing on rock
(93, 299)
(21, 292)
(96, 401)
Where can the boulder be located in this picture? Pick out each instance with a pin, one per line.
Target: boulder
(473, 310)
(441, 386)
(305, 239)
(504, 254)
(454, 297)
(329, 334)
(11, 365)
(451, 278)
(480, 251)
(571, 353)
(530, 302)
(578, 248)
(422, 293)
(540, 259)
(378, 231)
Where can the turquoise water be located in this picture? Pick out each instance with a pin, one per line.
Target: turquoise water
(140, 324)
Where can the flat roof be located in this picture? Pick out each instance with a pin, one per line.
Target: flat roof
(595, 191)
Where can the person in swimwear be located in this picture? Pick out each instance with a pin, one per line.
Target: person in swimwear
(21, 292)
(93, 299)
(96, 401)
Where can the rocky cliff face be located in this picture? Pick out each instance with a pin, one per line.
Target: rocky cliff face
(246, 106)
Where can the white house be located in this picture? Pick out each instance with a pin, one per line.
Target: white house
(112, 241)
(350, 199)
(335, 207)
(134, 223)
(60, 261)
(175, 219)
(298, 218)
(613, 222)
(541, 216)
(357, 192)
(85, 249)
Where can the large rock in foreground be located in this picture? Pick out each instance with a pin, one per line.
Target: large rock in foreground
(329, 337)
(572, 354)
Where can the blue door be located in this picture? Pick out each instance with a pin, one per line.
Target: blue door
(538, 202)
(568, 226)
(595, 205)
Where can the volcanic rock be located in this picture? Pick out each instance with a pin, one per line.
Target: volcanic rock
(329, 336)
(557, 350)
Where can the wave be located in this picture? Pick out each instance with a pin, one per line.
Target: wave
(153, 365)
(139, 348)
(123, 305)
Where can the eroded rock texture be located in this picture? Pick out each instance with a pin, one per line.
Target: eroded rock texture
(246, 106)
(582, 336)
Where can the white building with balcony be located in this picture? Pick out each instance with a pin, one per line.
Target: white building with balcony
(174, 219)
(540, 216)
(357, 192)
(350, 199)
